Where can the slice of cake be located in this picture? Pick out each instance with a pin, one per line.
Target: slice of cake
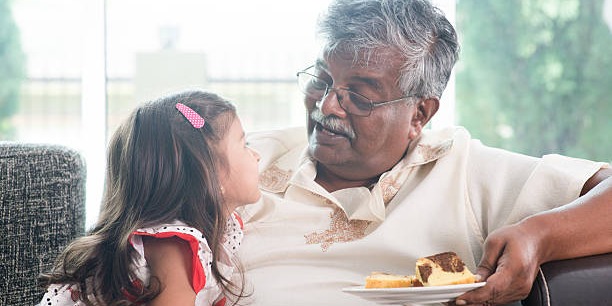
(443, 269)
(386, 280)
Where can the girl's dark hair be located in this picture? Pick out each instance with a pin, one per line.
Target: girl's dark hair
(159, 168)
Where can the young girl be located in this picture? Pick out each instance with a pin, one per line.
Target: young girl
(167, 232)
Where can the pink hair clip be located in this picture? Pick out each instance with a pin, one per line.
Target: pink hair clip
(194, 118)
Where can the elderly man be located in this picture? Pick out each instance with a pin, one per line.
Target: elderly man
(368, 188)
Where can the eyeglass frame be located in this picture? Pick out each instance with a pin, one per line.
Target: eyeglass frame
(329, 88)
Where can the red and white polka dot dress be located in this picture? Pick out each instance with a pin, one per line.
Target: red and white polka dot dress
(207, 287)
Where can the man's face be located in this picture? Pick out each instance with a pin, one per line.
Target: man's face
(353, 147)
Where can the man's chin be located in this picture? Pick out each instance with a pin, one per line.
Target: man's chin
(327, 154)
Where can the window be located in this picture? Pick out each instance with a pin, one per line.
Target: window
(534, 76)
(78, 67)
(85, 66)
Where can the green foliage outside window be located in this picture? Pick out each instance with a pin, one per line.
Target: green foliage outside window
(11, 69)
(536, 76)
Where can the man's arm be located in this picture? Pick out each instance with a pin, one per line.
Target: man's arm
(597, 178)
(513, 254)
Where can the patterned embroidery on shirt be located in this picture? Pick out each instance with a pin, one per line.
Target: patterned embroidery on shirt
(389, 187)
(430, 152)
(340, 230)
(274, 179)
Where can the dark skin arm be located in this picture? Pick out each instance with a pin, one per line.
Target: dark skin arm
(513, 254)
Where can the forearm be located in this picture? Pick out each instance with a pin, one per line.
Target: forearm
(583, 227)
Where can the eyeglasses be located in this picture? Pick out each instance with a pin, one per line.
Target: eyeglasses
(350, 101)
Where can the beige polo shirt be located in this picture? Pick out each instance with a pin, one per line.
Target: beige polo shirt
(302, 244)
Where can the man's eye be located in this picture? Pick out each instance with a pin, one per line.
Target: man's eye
(359, 100)
(318, 85)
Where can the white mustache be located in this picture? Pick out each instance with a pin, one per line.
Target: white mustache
(332, 123)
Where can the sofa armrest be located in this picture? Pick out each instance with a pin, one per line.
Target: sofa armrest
(578, 281)
(42, 208)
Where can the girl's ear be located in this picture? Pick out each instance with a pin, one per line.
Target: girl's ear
(425, 110)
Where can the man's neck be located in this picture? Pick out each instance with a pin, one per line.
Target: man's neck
(332, 182)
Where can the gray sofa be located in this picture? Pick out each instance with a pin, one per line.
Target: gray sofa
(42, 208)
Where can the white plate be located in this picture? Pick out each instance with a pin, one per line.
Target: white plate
(424, 295)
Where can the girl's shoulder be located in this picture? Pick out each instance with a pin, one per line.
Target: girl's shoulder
(195, 238)
(181, 230)
(185, 238)
(176, 229)
(195, 242)
(171, 261)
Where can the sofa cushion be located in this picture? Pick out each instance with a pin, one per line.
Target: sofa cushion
(42, 208)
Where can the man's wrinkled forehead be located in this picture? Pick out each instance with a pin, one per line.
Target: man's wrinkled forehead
(380, 58)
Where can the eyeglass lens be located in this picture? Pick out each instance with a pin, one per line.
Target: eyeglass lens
(350, 101)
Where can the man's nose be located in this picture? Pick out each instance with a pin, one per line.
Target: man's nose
(330, 104)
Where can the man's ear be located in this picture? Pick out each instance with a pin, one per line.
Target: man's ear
(425, 110)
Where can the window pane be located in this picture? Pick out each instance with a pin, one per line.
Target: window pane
(235, 50)
(47, 47)
(534, 76)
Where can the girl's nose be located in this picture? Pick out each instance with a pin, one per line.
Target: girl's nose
(255, 154)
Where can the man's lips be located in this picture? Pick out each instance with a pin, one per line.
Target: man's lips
(330, 131)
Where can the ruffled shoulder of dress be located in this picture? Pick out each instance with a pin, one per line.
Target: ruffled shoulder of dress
(201, 268)
(197, 243)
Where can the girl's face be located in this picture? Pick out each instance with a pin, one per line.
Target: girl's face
(240, 182)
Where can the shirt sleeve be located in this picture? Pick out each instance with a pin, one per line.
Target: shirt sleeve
(505, 187)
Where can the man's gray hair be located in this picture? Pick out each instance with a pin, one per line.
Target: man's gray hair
(414, 28)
